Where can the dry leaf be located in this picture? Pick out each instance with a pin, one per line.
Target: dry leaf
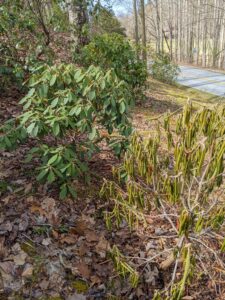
(20, 258)
(95, 279)
(55, 234)
(7, 226)
(80, 227)
(6, 271)
(102, 247)
(48, 204)
(82, 249)
(69, 239)
(7, 199)
(38, 209)
(46, 242)
(7, 267)
(28, 188)
(84, 270)
(168, 262)
(28, 271)
(91, 236)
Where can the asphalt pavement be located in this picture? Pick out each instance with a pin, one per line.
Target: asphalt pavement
(201, 79)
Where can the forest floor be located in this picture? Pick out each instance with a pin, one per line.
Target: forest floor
(52, 249)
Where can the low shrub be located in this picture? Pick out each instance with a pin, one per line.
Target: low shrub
(114, 51)
(67, 108)
(175, 179)
(164, 69)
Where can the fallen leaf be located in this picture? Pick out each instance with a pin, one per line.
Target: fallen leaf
(102, 247)
(7, 199)
(168, 262)
(7, 266)
(20, 258)
(23, 225)
(82, 249)
(80, 227)
(28, 188)
(55, 234)
(30, 199)
(37, 209)
(95, 279)
(6, 271)
(69, 239)
(6, 227)
(91, 236)
(48, 204)
(151, 274)
(28, 271)
(44, 284)
(46, 242)
(84, 270)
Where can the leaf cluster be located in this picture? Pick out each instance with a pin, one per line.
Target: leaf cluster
(115, 51)
(74, 109)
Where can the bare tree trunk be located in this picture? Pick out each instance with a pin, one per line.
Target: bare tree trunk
(143, 33)
(78, 17)
(135, 24)
(159, 39)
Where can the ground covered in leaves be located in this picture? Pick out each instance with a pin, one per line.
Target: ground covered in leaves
(52, 249)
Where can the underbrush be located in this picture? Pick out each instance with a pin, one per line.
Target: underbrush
(176, 180)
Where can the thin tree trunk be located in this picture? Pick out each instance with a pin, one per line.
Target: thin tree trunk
(143, 34)
(136, 38)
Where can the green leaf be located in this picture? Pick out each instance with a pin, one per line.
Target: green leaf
(7, 141)
(63, 191)
(28, 104)
(78, 76)
(53, 80)
(42, 174)
(55, 102)
(122, 107)
(75, 111)
(30, 128)
(43, 90)
(72, 191)
(34, 132)
(56, 129)
(92, 95)
(71, 97)
(93, 133)
(53, 159)
(29, 95)
(51, 177)
(103, 84)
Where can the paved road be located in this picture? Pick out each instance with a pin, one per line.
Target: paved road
(204, 80)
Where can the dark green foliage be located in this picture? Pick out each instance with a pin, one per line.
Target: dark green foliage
(114, 51)
(103, 21)
(164, 69)
(25, 36)
(73, 107)
(11, 135)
